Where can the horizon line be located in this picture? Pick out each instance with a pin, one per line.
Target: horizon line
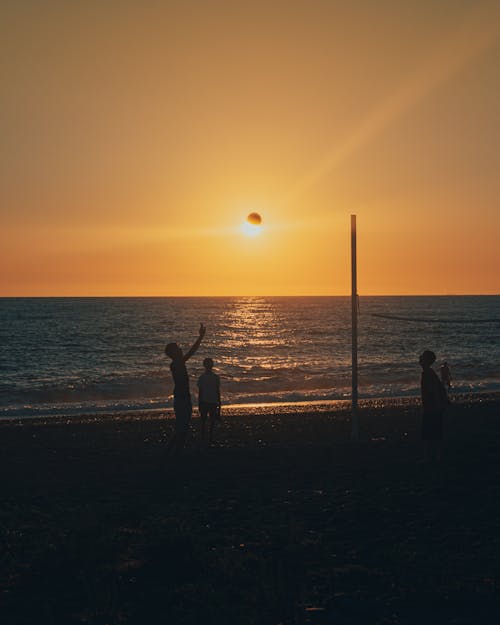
(253, 295)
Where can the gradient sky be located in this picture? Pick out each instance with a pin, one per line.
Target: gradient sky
(136, 137)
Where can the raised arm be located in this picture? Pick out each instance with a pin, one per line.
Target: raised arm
(196, 344)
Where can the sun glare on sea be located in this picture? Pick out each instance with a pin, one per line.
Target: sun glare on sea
(252, 226)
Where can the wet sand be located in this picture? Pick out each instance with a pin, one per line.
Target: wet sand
(282, 520)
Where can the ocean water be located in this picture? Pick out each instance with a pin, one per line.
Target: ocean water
(70, 355)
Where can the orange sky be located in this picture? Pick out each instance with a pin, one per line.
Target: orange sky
(136, 137)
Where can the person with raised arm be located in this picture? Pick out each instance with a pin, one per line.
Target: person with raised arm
(182, 397)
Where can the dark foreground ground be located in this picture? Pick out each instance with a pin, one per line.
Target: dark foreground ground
(285, 521)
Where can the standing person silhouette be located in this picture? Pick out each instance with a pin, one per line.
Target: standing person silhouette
(434, 403)
(182, 398)
(208, 398)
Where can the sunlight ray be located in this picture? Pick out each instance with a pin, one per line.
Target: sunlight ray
(479, 30)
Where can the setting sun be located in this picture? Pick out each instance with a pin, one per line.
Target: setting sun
(252, 226)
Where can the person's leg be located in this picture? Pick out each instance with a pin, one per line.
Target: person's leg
(203, 421)
(173, 441)
(183, 411)
(213, 417)
(180, 441)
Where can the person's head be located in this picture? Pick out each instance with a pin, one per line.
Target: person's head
(427, 358)
(172, 350)
(208, 363)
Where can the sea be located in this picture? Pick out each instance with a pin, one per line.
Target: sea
(69, 356)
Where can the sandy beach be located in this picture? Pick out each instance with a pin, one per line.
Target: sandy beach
(282, 520)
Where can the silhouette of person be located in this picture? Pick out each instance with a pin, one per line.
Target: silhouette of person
(208, 398)
(434, 403)
(445, 375)
(182, 397)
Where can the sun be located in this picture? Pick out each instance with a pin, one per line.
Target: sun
(252, 226)
(255, 219)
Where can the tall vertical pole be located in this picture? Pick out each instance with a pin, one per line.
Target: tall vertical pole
(354, 327)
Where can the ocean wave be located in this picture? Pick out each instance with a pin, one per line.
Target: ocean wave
(109, 351)
(60, 402)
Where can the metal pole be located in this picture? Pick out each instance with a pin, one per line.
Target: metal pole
(354, 327)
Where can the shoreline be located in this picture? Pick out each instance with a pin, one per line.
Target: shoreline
(339, 408)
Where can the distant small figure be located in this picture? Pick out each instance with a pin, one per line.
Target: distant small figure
(434, 402)
(445, 375)
(208, 398)
(182, 397)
